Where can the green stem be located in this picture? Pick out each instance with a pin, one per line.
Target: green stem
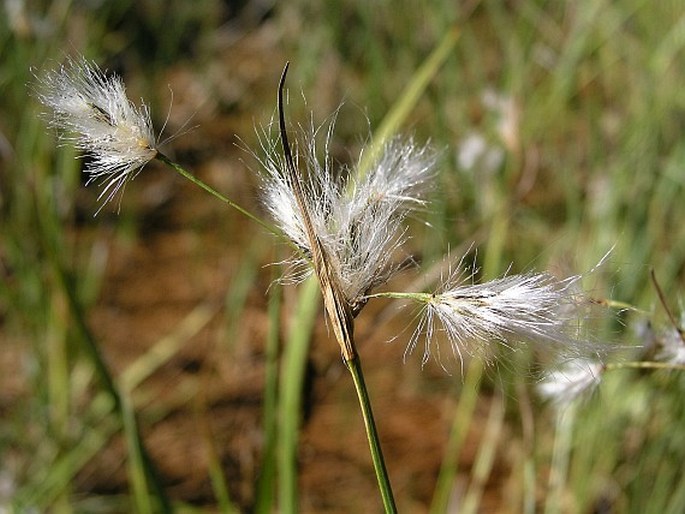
(266, 482)
(136, 462)
(355, 368)
(396, 295)
(186, 174)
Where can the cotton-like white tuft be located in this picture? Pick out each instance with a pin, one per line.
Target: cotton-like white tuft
(98, 118)
(358, 219)
(671, 345)
(532, 308)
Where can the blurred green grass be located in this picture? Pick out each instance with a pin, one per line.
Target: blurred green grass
(581, 109)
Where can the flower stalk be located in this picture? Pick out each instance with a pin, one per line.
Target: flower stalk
(355, 368)
(216, 194)
(338, 310)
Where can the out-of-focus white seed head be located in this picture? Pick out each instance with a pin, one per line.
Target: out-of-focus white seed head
(663, 344)
(96, 116)
(475, 154)
(357, 218)
(575, 377)
(672, 347)
(670, 343)
(531, 308)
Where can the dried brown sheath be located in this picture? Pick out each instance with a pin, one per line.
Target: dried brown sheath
(337, 307)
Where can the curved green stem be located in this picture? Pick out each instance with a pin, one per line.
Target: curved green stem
(355, 368)
(395, 295)
(186, 174)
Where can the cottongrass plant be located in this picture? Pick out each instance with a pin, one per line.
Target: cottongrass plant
(94, 114)
(357, 218)
(90, 109)
(536, 310)
(348, 228)
(531, 308)
(345, 227)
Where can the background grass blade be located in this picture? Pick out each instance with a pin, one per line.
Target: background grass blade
(293, 368)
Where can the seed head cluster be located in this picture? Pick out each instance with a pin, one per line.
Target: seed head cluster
(358, 217)
(93, 113)
(347, 222)
(531, 308)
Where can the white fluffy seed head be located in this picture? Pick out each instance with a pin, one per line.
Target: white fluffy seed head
(667, 343)
(528, 309)
(570, 381)
(358, 219)
(672, 348)
(367, 215)
(96, 116)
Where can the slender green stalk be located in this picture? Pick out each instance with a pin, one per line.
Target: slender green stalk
(355, 368)
(273, 229)
(186, 174)
(218, 479)
(136, 463)
(399, 295)
(644, 365)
